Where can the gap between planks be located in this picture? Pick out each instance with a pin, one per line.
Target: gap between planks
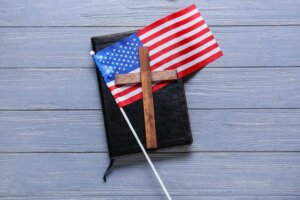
(159, 152)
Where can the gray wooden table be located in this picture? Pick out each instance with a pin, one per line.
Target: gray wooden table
(244, 108)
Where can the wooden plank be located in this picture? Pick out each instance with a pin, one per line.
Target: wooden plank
(134, 13)
(148, 105)
(165, 75)
(49, 89)
(216, 174)
(129, 197)
(133, 78)
(244, 88)
(210, 88)
(60, 47)
(213, 130)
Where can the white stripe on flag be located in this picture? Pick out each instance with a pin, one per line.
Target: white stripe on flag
(187, 55)
(168, 23)
(175, 40)
(172, 31)
(130, 94)
(205, 56)
(180, 48)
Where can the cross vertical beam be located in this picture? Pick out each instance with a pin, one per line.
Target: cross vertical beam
(147, 98)
(146, 77)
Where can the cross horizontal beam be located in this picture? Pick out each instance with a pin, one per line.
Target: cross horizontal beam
(145, 77)
(133, 78)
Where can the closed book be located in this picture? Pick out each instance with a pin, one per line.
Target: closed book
(170, 107)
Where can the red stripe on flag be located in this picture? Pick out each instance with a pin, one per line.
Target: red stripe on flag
(169, 28)
(176, 35)
(179, 43)
(162, 37)
(130, 100)
(180, 53)
(165, 19)
(140, 95)
(193, 57)
(112, 87)
(200, 65)
(176, 65)
(126, 91)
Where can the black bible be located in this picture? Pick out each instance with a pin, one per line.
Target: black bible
(171, 114)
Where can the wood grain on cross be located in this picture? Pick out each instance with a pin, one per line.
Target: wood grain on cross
(146, 77)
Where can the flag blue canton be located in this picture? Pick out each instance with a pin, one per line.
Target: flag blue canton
(119, 58)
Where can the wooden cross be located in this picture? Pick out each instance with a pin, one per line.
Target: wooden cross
(146, 77)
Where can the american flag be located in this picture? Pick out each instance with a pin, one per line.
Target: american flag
(180, 41)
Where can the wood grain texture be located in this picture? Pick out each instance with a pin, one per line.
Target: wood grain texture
(148, 106)
(44, 89)
(213, 130)
(208, 174)
(164, 75)
(135, 13)
(131, 78)
(130, 197)
(244, 88)
(209, 88)
(260, 46)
